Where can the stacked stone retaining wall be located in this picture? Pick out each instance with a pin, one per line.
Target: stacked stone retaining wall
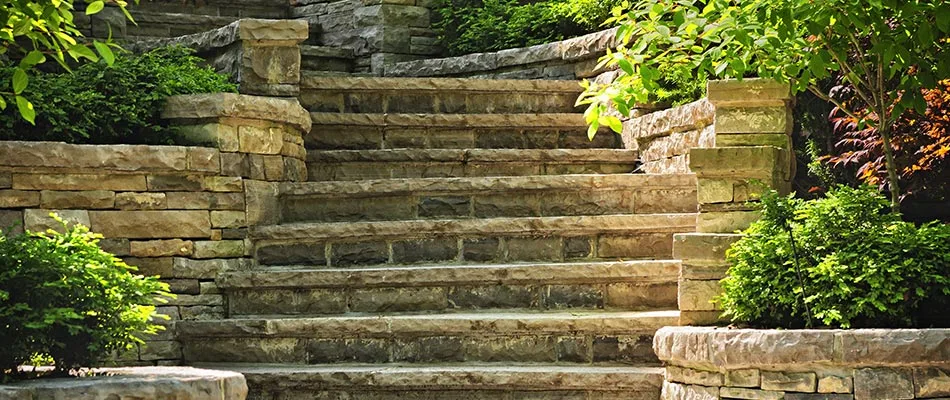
(175, 211)
(864, 364)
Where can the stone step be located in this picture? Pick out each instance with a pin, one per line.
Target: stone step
(628, 285)
(574, 337)
(495, 240)
(159, 24)
(487, 197)
(458, 382)
(326, 58)
(349, 165)
(437, 95)
(336, 131)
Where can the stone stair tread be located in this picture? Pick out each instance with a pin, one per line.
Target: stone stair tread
(326, 52)
(490, 322)
(533, 121)
(160, 17)
(475, 155)
(351, 84)
(539, 226)
(451, 376)
(441, 275)
(366, 188)
(333, 74)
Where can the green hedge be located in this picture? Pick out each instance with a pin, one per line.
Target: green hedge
(117, 104)
(474, 26)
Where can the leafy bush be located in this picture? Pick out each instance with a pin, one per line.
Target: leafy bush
(474, 26)
(861, 266)
(103, 104)
(62, 296)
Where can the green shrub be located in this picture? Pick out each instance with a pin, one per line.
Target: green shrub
(862, 266)
(62, 296)
(104, 104)
(474, 26)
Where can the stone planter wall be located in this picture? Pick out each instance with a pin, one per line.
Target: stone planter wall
(872, 364)
(569, 59)
(134, 383)
(664, 138)
(174, 211)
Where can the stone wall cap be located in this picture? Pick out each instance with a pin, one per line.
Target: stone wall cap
(139, 382)
(748, 92)
(728, 349)
(242, 29)
(118, 157)
(233, 105)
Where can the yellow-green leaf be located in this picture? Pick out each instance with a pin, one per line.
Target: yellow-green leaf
(104, 51)
(20, 80)
(26, 109)
(95, 7)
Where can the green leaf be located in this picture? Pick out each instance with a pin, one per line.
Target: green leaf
(78, 51)
(626, 66)
(32, 58)
(95, 7)
(615, 124)
(20, 80)
(26, 109)
(105, 52)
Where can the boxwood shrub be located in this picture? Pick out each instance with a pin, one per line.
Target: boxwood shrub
(64, 298)
(861, 265)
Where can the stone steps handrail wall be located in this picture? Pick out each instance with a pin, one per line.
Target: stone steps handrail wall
(861, 364)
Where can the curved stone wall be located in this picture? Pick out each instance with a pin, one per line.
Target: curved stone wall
(705, 363)
(179, 383)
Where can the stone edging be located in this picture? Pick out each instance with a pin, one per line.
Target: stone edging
(232, 105)
(244, 29)
(141, 383)
(864, 364)
(586, 47)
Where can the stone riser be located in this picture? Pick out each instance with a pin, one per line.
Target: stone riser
(351, 171)
(425, 102)
(466, 248)
(634, 348)
(488, 205)
(316, 63)
(448, 394)
(343, 137)
(614, 295)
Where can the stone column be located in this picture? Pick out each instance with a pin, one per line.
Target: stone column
(752, 153)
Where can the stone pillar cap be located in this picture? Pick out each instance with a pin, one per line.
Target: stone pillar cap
(233, 105)
(749, 92)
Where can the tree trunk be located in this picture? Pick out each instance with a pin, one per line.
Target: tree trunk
(891, 165)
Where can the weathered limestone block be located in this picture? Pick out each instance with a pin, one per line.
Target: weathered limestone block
(205, 269)
(205, 201)
(932, 382)
(228, 219)
(765, 163)
(219, 249)
(693, 376)
(703, 248)
(696, 295)
(258, 140)
(79, 182)
(140, 201)
(136, 383)
(201, 107)
(789, 381)
(222, 136)
(151, 224)
(779, 140)
(89, 200)
(749, 394)
(753, 120)
(160, 350)
(162, 248)
(748, 92)
(750, 378)
(883, 383)
(676, 391)
(725, 222)
(40, 220)
(19, 198)
(835, 384)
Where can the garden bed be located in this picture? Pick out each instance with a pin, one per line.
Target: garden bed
(862, 364)
(134, 383)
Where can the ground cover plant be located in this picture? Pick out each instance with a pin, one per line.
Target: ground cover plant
(118, 103)
(841, 261)
(62, 297)
(475, 26)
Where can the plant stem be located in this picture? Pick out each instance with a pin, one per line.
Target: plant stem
(891, 166)
(798, 271)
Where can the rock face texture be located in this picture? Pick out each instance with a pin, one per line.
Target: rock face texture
(180, 383)
(866, 364)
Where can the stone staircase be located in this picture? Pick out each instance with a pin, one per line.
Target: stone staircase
(458, 239)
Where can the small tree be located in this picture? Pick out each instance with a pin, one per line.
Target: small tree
(888, 50)
(35, 30)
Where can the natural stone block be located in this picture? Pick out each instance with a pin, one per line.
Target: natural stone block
(508, 349)
(293, 253)
(433, 207)
(429, 349)
(835, 384)
(88, 200)
(676, 391)
(11, 222)
(740, 120)
(883, 383)
(748, 92)
(140, 201)
(161, 266)
(206, 269)
(347, 350)
(726, 221)
(183, 286)
(693, 376)
(6, 180)
(507, 205)
(205, 201)
(151, 224)
(209, 288)
(19, 198)
(202, 312)
(223, 184)
(79, 182)
(219, 249)
(655, 246)
(932, 382)
(228, 219)
(534, 249)
(221, 136)
(398, 299)
(817, 396)
(189, 300)
(806, 382)
(204, 159)
(287, 301)
(765, 163)
(360, 253)
(629, 349)
(116, 246)
(486, 249)
(749, 394)
(635, 295)
(262, 202)
(749, 378)
(257, 140)
(41, 220)
(780, 140)
(162, 248)
(163, 350)
(702, 248)
(493, 296)
(570, 296)
(407, 252)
